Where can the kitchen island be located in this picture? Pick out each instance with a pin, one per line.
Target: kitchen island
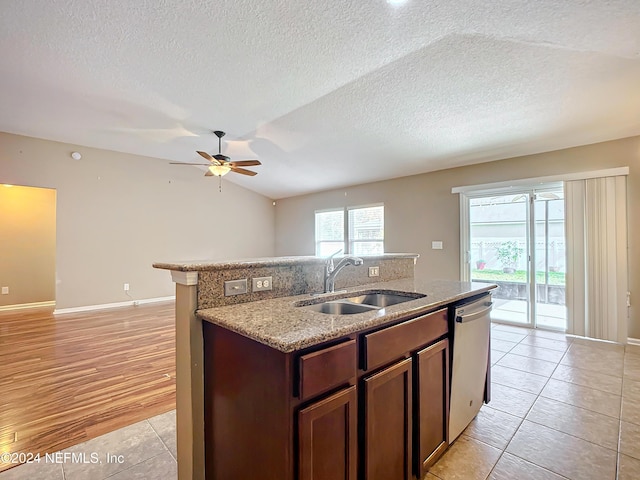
(290, 392)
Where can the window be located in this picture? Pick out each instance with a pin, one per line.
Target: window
(366, 230)
(361, 234)
(329, 232)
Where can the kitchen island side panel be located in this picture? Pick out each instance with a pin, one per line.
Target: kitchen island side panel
(248, 421)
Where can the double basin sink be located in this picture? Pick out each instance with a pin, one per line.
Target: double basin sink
(362, 302)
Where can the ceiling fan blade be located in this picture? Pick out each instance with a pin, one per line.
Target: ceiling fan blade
(183, 163)
(208, 157)
(245, 163)
(204, 155)
(243, 171)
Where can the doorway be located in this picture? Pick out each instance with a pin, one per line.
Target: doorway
(28, 246)
(516, 239)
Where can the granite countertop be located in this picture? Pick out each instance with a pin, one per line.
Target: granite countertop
(201, 265)
(280, 324)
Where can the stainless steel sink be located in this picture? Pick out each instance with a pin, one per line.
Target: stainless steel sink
(382, 299)
(365, 302)
(340, 308)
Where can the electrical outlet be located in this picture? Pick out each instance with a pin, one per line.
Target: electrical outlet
(235, 287)
(260, 284)
(126, 287)
(436, 245)
(374, 271)
(5, 290)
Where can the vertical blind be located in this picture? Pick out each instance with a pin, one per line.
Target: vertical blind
(597, 281)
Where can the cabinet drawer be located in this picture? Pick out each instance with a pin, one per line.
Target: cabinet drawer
(391, 343)
(322, 370)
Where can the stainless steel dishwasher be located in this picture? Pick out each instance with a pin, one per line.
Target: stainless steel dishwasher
(470, 360)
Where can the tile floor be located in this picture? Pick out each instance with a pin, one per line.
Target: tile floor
(144, 450)
(562, 408)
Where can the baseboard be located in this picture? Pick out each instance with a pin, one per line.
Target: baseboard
(25, 306)
(633, 341)
(104, 306)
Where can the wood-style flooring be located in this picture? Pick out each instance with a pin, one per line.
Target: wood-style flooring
(65, 379)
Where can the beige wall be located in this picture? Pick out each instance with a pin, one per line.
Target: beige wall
(27, 244)
(421, 208)
(119, 213)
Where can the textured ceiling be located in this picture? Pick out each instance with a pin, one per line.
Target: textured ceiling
(326, 93)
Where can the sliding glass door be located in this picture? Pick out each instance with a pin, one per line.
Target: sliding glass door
(507, 235)
(499, 234)
(550, 258)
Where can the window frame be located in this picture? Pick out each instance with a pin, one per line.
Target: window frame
(347, 241)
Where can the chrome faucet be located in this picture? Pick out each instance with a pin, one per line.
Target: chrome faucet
(332, 271)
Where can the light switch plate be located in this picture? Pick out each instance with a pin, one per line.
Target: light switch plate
(374, 271)
(437, 245)
(5, 290)
(261, 284)
(235, 287)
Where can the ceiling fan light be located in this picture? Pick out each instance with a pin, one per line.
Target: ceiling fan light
(219, 170)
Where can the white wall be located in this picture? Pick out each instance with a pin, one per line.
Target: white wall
(118, 213)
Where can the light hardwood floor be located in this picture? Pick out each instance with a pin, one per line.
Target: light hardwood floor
(65, 379)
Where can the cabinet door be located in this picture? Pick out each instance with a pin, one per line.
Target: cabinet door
(328, 438)
(388, 419)
(432, 404)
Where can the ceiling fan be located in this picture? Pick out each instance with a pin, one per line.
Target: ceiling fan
(219, 164)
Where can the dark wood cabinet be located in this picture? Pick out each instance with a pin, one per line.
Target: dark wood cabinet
(391, 343)
(431, 406)
(325, 369)
(388, 420)
(430, 382)
(372, 405)
(328, 438)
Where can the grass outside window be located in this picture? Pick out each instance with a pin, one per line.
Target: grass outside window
(555, 278)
